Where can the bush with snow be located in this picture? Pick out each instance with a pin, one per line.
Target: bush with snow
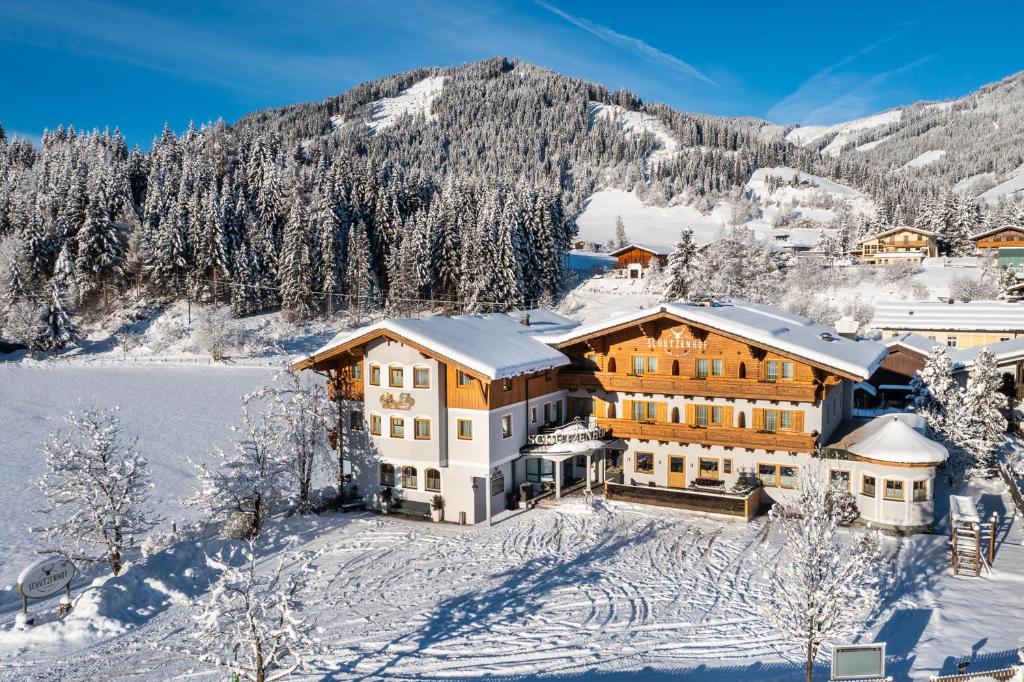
(965, 289)
(215, 331)
(898, 272)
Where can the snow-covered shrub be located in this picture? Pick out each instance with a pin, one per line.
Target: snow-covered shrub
(860, 310)
(897, 272)
(168, 331)
(22, 324)
(159, 541)
(215, 331)
(843, 505)
(94, 491)
(746, 480)
(918, 290)
(966, 289)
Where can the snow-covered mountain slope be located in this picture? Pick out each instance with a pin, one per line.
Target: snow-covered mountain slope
(636, 123)
(843, 133)
(414, 100)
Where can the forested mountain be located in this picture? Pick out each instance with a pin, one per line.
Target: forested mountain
(451, 189)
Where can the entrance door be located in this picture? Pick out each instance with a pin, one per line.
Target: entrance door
(709, 468)
(676, 471)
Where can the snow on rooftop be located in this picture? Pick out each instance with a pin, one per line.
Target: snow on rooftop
(764, 325)
(938, 315)
(893, 438)
(494, 345)
(542, 320)
(656, 249)
(915, 342)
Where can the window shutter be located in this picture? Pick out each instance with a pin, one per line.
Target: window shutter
(758, 419)
(691, 414)
(600, 407)
(662, 412)
(627, 409)
(798, 420)
(727, 416)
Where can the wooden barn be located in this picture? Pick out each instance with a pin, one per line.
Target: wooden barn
(634, 259)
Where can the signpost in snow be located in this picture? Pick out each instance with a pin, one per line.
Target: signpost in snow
(859, 662)
(44, 578)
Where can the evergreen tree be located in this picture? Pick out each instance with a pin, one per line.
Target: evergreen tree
(621, 240)
(680, 271)
(297, 302)
(359, 282)
(981, 411)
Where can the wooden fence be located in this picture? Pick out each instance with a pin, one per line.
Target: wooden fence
(1001, 675)
(1011, 483)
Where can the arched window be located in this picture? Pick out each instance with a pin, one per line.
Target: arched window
(387, 474)
(433, 481)
(611, 364)
(743, 370)
(741, 420)
(675, 415)
(409, 478)
(675, 368)
(611, 410)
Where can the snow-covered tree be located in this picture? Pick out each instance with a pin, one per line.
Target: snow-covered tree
(296, 270)
(824, 583)
(680, 270)
(300, 415)
(980, 412)
(935, 394)
(57, 329)
(215, 331)
(620, 240)
(249, 480)
(94, 491)
(250, 623)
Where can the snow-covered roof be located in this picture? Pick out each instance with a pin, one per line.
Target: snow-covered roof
(762, 325)
(892, 439)
(938, 315)
(649, 248)
(898, 255)
(542, 320)
(997, 230)
(495, 346)
(1004, 352)
(911, 341)
(900, 228)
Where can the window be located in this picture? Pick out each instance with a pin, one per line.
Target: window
(355, 420)
(357, 370)
(702, 368)
(506, 384)
(920, 491)
(789, 476)
(644, 363)
(421, 427)
(409, 478)
(387, 474)
(465, 428)
(771, 370)
(702, 415)
(533, 414)
(375, 375)
(421, 377)
(787, 371)
(769, 475)
(547, 413)
(497, 483)
(638, 364)
(951, 341)
(785, 420)
(463, 379)
(432, 479)
(771, 420)
(395, 377)
(717, 367)
(716, 416)
(375, 424)
(867, 486)
(506, 426)
(581, 461)
(397, 427)
(644, 463)
(726, 466)
(779, 475)
(652, 364)
(644, 411)
(839, 479)
(894, 490)
(538, 470)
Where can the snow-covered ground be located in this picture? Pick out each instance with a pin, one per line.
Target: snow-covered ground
(808, 135)
(414, 100)
(547, 594)
(926, 158)
(636, 123)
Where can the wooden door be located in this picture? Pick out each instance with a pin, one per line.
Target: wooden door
(676, 471)
(709, 468)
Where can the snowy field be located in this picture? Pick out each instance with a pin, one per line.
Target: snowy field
(629, 592)
(176, 411)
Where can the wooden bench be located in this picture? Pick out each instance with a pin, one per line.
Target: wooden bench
(411, 509)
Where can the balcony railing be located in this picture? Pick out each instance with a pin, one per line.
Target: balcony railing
(726, 436)
(714, 387)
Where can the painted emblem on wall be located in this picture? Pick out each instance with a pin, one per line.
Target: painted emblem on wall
(397, 401)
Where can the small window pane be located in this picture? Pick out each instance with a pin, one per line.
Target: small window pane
(840, 480)
(433, 480)
(787, 370)
(716, 416)
(396, 377)
(638, 411)
(421, 377)
(375, 375)
(497, 483)
(397, 427)
(702, 368)
(387, 474)
(506, 426)
(717, 367)
(375, 424)
(920, 491)
(357, 371)
(786, 419)
(465, 429)
(702, 415)
(868, 486)
(422, 428)
(355, 420)
(652, 410)
(771, 420)
(638, 364)
(768, 474)
(894, 490)
(771, 370)
(644, 462)
(409, 479)
(788, 476)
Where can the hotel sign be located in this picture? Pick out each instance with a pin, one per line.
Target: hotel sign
(676, 340)
(575, 436)
(45, 577)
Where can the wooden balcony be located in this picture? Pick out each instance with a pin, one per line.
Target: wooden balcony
(717, 387)
(726, 436)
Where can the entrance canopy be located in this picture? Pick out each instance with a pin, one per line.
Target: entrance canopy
(575, 438)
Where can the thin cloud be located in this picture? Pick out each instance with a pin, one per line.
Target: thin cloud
(630, 43)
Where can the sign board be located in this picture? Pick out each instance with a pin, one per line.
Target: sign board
(45, 577)
(858, 661)
(567, 436)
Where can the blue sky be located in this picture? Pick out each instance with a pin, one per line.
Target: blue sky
(137, 65)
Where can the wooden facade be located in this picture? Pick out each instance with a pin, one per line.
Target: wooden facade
(480, 394)
(899, 240)
(1004, 237)
(637, 255)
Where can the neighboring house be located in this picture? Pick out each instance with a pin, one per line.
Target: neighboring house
(672, 406)
(1000, 238)
(635, 259)
(908, 353)
(898, 244)
(957, 325)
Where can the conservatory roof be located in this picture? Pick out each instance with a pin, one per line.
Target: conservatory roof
(890, 438)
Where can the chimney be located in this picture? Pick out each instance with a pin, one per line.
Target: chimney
(847, 327)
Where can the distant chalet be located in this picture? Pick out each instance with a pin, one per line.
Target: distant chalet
(899, 245)
(673, 405)
(634, 260)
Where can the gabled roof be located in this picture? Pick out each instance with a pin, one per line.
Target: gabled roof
(940, 316)
(916, 343)
(1011, 350)
(491, 346)
(901, 228)
(996, 230)
(760, 325)
(649, 248)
